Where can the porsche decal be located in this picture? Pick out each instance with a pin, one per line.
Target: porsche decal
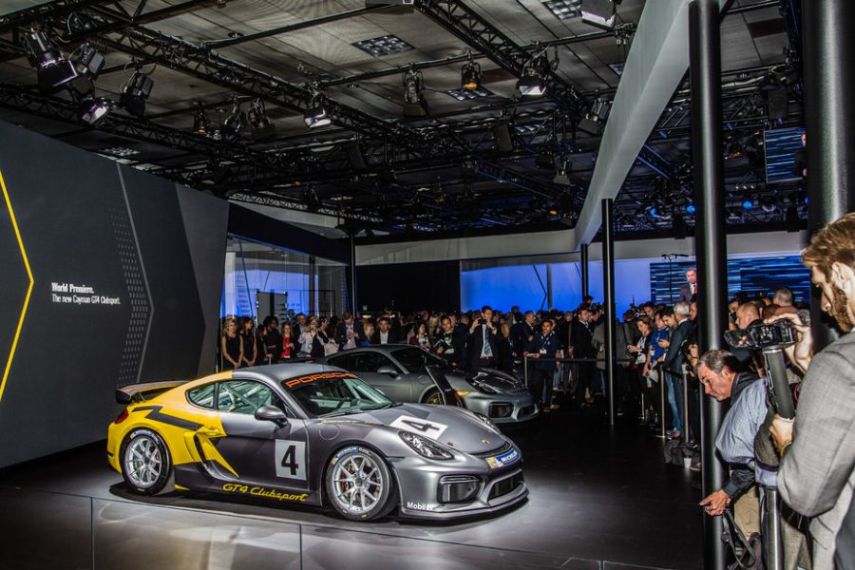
(267, 493)
(294, 382)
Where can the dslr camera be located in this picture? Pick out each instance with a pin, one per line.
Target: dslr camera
(759, 336)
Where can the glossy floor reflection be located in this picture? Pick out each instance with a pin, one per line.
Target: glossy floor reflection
(600, 498)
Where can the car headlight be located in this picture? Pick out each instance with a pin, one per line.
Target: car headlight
(484, 419)
(425, 447)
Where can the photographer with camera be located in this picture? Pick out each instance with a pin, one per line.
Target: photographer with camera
(816, 475)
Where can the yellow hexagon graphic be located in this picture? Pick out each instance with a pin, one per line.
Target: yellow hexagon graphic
(8, 367)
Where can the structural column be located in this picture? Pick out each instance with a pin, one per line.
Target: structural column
(705, 70)
(585, 269)
(609, 292)
(829, 54)
(354, 307)
(313, 289)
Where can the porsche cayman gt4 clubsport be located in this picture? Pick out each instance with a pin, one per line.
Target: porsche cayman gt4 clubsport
(315, 435)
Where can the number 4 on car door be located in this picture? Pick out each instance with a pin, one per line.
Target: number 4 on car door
(291, 459)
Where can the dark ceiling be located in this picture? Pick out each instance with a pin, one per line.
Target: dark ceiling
(492, 163)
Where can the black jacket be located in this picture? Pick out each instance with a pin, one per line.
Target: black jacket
(341, 333)
(674, 357)
(521, 335)
(547, 347)
(505, 356)
(393, 337)
(581, 338)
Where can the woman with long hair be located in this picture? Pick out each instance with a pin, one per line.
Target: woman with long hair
(231, 346)
(249, 340)
(289, 342)
(421, 338)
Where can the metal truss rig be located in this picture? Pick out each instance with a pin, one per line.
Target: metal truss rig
(472, 29)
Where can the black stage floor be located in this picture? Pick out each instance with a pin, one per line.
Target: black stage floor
(600, 497)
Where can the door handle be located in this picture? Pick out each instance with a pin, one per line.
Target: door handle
(209, 431)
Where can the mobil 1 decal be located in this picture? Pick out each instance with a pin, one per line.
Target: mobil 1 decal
(422, 427)
(290, 458)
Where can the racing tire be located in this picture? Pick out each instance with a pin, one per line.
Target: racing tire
(432, 397)
(359, 484)
(146, 463)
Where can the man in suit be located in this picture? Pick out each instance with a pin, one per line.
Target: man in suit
(689, 289)
(481, 344)
(816, 476)
(543, 351)
(522, 333)
(582, 339)
(673, 364)
(384, 333)
(348, 333)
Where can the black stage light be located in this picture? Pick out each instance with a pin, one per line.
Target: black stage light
(93, 109)
(561, 175)
(53, 70)
(136, 92)
(236, 123)
(88, 62)
(600, 13)
(502, 135)
(415, 104)
(262, 126)
(470, 75)
(533, 80)
(201, 125)
(317, 115)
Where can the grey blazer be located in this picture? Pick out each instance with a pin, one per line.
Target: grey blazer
(816, 475)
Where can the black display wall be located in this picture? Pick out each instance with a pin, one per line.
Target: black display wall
(410, 286)
(124, 280)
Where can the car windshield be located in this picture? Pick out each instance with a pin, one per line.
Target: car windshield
(415, 359)
(330, 394)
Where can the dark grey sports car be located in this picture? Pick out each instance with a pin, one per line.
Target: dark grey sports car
(400, 371)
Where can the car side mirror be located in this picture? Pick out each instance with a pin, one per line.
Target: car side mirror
(271, 414)
(388, 370)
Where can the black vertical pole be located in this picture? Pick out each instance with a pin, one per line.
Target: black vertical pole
(711, 252)
(829, 54)
(353, 302)
(549, 286)
(313, 273)
(609, 291)
(584, 263)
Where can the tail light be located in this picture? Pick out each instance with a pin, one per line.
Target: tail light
(123, 416)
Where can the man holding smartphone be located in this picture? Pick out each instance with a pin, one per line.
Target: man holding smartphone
(481, 344)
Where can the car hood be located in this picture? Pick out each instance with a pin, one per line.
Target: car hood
(496, 379)
(451, 426)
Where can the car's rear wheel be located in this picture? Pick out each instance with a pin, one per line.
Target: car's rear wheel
(432, 397)
(360, 485)
(146, 463)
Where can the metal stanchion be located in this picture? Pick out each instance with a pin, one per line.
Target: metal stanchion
(525, 369)
(686, 401)
(643, 416)
(661, 403)
(773, 544)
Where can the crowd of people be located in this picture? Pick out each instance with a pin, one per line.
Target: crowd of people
(560, 354)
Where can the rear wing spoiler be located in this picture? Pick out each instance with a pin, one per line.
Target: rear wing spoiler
(134, 393)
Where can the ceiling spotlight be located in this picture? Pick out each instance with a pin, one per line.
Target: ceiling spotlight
(136, 92)
(201, 125)
(261, 125)
(561, 176)
(93, 109)
(235, 124)
(747, 204)
(600, 13)
(533, 80)
(317, 115)
(52, 69)
(691, 209)
(470, 75)
(88, 63)
(415, 104)
(599, 110)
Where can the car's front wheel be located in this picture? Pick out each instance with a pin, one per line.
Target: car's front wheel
(432, 397)
(146, 463)
(360, 485)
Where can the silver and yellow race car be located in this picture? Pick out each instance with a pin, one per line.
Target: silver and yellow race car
(315, 435)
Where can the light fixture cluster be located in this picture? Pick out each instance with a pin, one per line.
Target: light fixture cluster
(254, 123)
(77, 73)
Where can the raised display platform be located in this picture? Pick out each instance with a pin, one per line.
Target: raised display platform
(600, 498)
